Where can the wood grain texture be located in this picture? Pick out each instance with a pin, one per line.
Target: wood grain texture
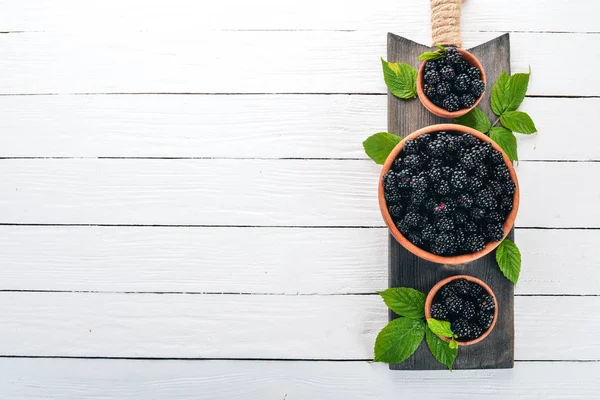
(266, 126)
(265, 260)
(282, 62)
(408, 270)
(194, 17)
(275, 380)
(252, 192)
(254, 326)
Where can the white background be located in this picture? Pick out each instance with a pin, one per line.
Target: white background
(186, 210)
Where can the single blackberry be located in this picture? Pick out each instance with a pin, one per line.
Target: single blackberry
(449, 202)
(430, 204)
(485, 199)
(464, 200)
(392, 195)
(444, 244)
(468, 160)
(413, 162)
(412, 219)
(413, 208)
(475, 290)
(460, 238)
(475, 184)
(471, 227)
(452, 55)
(509, 188)
(430, 66)
(447, 291)
(469, 140)
(411, 147)
(419, 183)
(442, 187)
(461, 287)
(395, 210)
(397, 164)
(496, 157)
(459, 179)
(467, 100)
(441, 209)
(443, 88)
(462, 328)
(451, 102)
(454, 305)
(436, 148)
(462, 83)
(486, 149)
(418, 196)
(423, 141)
(494, 232)
(435, 175)
(403, 227)
(502, 173)
(439, 311)
(432, 77)
(429, 90)
(429, 233)
(474, 73)
(506, 204)
(477, 213)
(445, 224)
(447, 172)
(486, 303)
(476, 331)
(484, 320)
(447, 73)
(435, 163)
(477, 87)
(404, 179)
(389, 179)
(475, 242)
(480, 171)
(461, 218)
(495, 187)
(468, 311)
(495, 216)
(437, 99)
(461, 66)
(415, 239)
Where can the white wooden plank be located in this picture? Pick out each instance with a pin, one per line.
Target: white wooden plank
(255, 326)
(190, 15)
(281, 62)
(276, 380)
(271, 126)
(262, 260)
(253, 192)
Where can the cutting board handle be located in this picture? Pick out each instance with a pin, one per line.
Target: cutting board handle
(445, 22)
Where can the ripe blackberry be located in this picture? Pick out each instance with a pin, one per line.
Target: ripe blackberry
(442, 187)
(484, 320)
(443, 88)
(480, 171)
(437, 99)
(447, 73)
(435, 175)
(462, 83)
(418, 196)
(438, 311)
(411, 147)
(486, 149)
(403, 179)
(496, 157)
(509, 187)
(475, 242)
(415, 239)
(397, 164)
(451, 102)
(467, 100)
(412, 219)
(445, 224)
(477, 213)
(495, 216)
(464, 200)
(476, 331)
(403, 227)
(454, 305)
(506, 204)
(449, 202)
(477, 87)
(429, 233)
(469, 141)
(461, 287)
(447, 172)
(460, 238)
(461, 218)
(413, 208)
(459, 179)
(444, 244)
(413, 162)
(486, 303)
(435, 163)
(495, 187)
(430, 204)
(471, 227)
(419, 183)
(432, 77)
(395, 210)
(502, 173)
(485, 199)
(475, 291)
(468, 311)
(430, 66)
(436, 148)
(494, 232)
(423, 141)
(474, 184)
(447, 291)
(461, 66)
(462, 328)
(392, 195)
(452, 55)
(474, 73)
(441, 209)
(389, 179)
(468, 160)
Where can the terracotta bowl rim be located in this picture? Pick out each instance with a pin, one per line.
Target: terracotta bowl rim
(440, 112)
(470, 278)
(448, 260)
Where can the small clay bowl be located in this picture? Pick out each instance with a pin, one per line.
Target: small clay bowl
(448, 260)
(484, 285)
(439, 111)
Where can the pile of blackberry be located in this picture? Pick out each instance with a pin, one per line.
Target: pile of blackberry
(451, 83)
(467, 306)
(449, 193)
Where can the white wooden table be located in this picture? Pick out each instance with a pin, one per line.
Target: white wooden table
(186, 210)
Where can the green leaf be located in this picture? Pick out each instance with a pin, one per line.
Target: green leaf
(441, 328)
(453, 344)
(442, 48)
(505, 139)
(442, 351)
(518, 121)
(400, 78)
(475, 119)
(431, 55)
(516, 87)
(399, 340)
(508, 257)
(379, 146)
(407, 302)
(499, 98)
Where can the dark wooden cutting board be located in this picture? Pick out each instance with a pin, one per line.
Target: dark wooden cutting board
(405, 269)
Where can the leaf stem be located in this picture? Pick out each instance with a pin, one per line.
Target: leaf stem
(495, 122)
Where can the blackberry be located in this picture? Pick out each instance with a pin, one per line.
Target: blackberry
(477, 87)
(495, 187)
(495, 216)
(403, 227)
(502, 173)
(403, 179)
(430, 204)
(461, 66)
(437, 100)
(435, 163)
(413, 162)
(459, 179)
(460, 237)
(506, 204)
(462, 83)
(444, 244)
(447, 73)
(483, 319)
(389, 179)
(413, 208)
(477, 331)
(486, 303)
(467, 100)
(468, 160)
(485, 199)
(445, 224)
(441, 209)
(418, 196)
(471, 227)
(480, 171)
(452, 55)
(475, 291)
(423, 141)
(439, 311)
(496, 157)
(464, 200)
(468, 311)
(395, 210)
(447, 291)
(392, 195)
(469, 140)
(430, 66)
(415, 239)
(474, 184)
(509, 187)
(449, 203)
(460, 218)
(411, 147)
(461, 287)
(447, 172)
(462, 328)
(443, 88)
(474, 243)
(494, 232)
(451, 102)
(477, 213)
(429, 233)
(419, 184)
(432, 77)
(435, 175)
(412, 219)
(442, 187)
(436, 148)
(474, 73)
(454, 305)
(397, 164)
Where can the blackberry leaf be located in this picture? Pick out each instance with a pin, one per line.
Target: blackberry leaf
(499, 98)
(379, 146)
(398, 340)
(400, 78)
(508, 257)
(444, 352)
(518, 121)
(516, 89)
(406, 302)
(441, 328)
(475, 119)
(505, 139)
